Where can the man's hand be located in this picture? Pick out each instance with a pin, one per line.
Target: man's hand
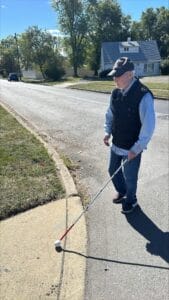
(106, 140)
(131, 155)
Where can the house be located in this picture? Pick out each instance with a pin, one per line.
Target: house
(32, 74)
(144, 54)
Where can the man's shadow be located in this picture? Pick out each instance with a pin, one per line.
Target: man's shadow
(158, 241)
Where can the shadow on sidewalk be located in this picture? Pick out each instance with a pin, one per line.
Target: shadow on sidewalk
(158, 240)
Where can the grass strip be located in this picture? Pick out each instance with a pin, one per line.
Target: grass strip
(160, 90)
(28, 175)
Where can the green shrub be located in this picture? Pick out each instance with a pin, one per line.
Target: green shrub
(54, 69)
(165, 66)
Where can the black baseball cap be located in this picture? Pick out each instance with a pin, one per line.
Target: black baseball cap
(122, 65)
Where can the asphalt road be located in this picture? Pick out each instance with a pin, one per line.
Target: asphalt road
(128, 257)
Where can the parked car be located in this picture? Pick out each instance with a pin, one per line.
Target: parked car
(13, 77)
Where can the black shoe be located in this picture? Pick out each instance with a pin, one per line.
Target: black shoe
(118, 198)
(128, 207)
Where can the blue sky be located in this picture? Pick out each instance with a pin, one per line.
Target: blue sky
(17, 15)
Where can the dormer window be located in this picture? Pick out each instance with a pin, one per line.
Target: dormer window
(129, 47)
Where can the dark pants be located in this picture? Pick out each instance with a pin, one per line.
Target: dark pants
(125, 181)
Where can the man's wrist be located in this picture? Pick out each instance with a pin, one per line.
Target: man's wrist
(136, 149)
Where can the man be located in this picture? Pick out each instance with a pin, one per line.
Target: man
(130, 120)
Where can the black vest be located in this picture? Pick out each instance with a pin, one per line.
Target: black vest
(126, 119)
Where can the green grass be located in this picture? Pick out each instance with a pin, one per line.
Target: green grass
(28, 175)
(68, 162)
(159, 89)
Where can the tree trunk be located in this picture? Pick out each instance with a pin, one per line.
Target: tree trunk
(41, 69)
(95, 72)
(75, 70)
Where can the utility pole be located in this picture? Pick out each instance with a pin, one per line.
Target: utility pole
(18, 58)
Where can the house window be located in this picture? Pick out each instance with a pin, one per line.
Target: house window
(126, 49)
(150, 68)
(145, 68)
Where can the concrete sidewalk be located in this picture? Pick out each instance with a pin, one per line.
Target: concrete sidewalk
(30, 267)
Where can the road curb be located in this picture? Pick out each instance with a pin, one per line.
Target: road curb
(71, 282)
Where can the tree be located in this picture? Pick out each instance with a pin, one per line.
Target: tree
(125, 27)
(153, 25)
(104, 20)
(162, 30)
(148, 23)
(137, 31)
(73, 24)
(37, 47)
(9, 57)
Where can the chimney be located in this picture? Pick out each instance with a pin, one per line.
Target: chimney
(129, 39)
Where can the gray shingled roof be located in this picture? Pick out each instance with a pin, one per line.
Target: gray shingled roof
(148, 50)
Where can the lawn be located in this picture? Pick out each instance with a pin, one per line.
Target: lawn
(159, 89)
(28, 176)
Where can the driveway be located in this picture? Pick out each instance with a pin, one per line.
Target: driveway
(127, 256)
